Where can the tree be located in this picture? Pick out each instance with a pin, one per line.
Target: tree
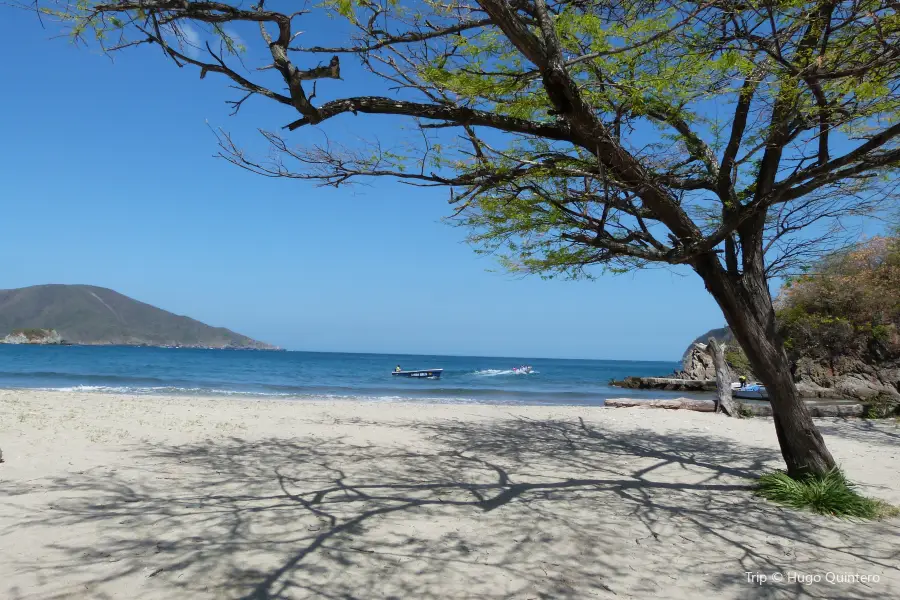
(730, 137)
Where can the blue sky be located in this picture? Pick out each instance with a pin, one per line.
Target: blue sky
(110, 179)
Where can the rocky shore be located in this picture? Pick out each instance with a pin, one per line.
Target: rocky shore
(846, 378)
(672, 384)
(51, 337)
(34, 336)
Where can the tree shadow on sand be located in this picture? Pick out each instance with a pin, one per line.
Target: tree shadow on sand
(477, 509)
(878, 432)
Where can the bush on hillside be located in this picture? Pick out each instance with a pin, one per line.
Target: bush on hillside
(31, 334)
(881, 406)
(848, 304)
(738, 361)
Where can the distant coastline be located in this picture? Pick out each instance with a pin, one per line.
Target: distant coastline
(65, 343)
(85, 315)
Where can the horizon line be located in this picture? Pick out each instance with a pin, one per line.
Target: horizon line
(481, 356)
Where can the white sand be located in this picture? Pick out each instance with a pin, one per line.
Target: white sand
(113, 497)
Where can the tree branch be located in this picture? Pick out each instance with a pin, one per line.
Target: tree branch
(454, 114)
(403, 38)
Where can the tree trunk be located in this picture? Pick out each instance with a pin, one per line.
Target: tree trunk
(724, 403)
(801, 443)
(747, 306)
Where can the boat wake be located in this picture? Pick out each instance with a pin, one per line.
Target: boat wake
(495, 372)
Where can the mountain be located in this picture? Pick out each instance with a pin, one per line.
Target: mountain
(85, 314)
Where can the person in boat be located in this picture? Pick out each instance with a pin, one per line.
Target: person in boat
(743, 380)
(397, 369)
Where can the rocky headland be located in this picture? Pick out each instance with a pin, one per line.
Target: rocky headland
(87, 315)
(844, 378)
(49, 337)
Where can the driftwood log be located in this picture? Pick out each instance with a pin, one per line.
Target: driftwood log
(725, 403)
(815, 409)
(757, 410)
(684, 403)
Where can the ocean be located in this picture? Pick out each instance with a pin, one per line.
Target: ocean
(311, 375)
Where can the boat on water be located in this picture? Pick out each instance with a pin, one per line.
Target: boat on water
(422, 373)
(523, 370)
(749, 391)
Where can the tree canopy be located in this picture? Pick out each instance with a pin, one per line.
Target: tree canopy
(577, 133)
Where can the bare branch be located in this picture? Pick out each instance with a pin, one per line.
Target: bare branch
(455, 114)
(402, 38)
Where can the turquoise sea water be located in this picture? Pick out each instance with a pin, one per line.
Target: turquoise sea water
(300, 375)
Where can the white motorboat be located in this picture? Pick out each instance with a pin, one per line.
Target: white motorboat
(421, 373)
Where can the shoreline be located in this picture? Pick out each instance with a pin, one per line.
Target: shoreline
(161, 497)
(67, 344)
(462, 397)
(517, 398)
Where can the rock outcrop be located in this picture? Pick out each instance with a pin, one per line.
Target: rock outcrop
(847, 377)
(722, 334)
(33, 336)
(672, 384)
(698, 374)
(697, 364)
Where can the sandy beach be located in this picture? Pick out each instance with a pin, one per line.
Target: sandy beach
(106, 496)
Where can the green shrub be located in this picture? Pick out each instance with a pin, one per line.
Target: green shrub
(830, 495)
(846, 304)
(737, 360)
(881, 406)
(31, 333)
(882, 333)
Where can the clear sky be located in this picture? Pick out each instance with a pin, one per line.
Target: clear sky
(109, 179)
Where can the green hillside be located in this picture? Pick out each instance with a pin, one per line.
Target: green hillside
(85, 314)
